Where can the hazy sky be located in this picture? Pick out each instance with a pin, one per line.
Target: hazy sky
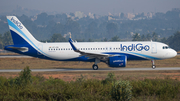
(100, 7)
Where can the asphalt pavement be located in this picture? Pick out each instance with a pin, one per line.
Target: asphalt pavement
(100, 69)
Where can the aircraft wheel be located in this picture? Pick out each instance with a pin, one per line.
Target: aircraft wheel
(153, 66)
(95, 67)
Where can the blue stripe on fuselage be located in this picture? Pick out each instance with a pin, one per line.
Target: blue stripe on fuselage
(133, 56)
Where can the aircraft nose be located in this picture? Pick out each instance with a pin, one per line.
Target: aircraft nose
(170, 54)
(173, 53)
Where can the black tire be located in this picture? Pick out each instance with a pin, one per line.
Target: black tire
(95, 67)
(153, 66)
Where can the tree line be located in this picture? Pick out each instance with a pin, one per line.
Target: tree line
(173, 41)
(43, 26)
(5, 39)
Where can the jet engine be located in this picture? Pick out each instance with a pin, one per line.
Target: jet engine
(117, 61)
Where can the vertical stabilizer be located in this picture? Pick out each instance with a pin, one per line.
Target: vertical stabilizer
(19, 33)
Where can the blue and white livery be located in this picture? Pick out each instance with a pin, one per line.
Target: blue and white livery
(115, 54)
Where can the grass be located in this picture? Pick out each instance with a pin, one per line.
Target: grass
(99, 75)
(28, 86)
(10, 53)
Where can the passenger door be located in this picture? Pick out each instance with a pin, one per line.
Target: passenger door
(153, 48)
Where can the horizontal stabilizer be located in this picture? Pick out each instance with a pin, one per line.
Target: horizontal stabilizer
(22, 49)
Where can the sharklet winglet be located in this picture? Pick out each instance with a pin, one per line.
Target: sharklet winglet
(72, 45)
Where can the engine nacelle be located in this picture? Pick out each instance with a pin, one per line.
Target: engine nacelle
(117, 61)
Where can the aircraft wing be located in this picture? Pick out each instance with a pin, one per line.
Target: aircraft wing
(99, 56)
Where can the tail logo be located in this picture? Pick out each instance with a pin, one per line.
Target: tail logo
(18, 24)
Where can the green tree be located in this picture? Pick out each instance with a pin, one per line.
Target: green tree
(115, 38)
(136, 37)
(148, 37)
(90, 40)
(23, 17)
(163, 40)
(57, 38)
(91, 31)
(154, 37)
(112, 29)
(121, 90)
(73, 27)
(174, 41)
(105, 39)
(80, 40)
(7, 39)
(42, 19)
(143, 38)
(25, 77)
(58, 28)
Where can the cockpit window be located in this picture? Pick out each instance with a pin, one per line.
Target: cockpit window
(166, 47)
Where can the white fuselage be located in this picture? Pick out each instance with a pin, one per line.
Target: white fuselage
(145, 50)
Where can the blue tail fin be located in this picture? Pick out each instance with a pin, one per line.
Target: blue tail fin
(19, 33)
(24, 42)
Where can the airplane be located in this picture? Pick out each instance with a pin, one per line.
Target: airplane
(114, 54)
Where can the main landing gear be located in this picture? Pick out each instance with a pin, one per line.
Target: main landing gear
(95, 66)
(153, 64)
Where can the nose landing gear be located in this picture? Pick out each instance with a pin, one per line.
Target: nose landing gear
(153, 64)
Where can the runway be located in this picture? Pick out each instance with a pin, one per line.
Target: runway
(86, 70)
